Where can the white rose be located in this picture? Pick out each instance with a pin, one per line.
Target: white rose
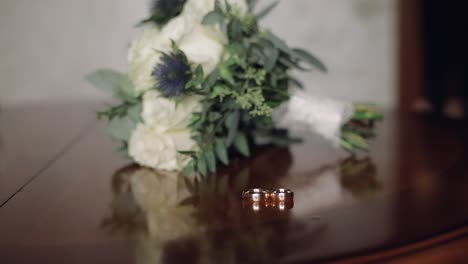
(145, 51)
(203, 7)
(159, 150)
(204, 46)
(162, 114)
(142, 58)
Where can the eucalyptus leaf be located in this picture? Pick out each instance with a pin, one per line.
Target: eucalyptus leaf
(241, 144)
(134, 112)
(359, 115)
(213, 17)
(117, 83)
(279, 43)
(214, 116)
(120, 128)
(252, 4)
(186, 152)
(296, 82)
(226, 74)
(267, 10)
(292, 64)
(356, 140)
(201, 164)
(271, 56)
(210, 80)
(311, 59)
(210, 160)
(199, 74)
(105, 79)
(232, 123)
(218, 7)
(127, 89)
(190, 168)
(235, 29)
(346, 145)
(221, 151)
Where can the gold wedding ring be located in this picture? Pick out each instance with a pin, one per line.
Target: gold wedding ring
(255, 195)
(282, 195)
(257, 198)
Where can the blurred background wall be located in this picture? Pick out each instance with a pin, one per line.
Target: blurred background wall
(48, 45)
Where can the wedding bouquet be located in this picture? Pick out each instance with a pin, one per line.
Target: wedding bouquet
(206, 83)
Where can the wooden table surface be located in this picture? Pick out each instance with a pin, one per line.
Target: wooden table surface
(66, 197)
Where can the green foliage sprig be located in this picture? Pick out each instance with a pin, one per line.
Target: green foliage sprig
(242, 91)
(124, 116)
(361, 127)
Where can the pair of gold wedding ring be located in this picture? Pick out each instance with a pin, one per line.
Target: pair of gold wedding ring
(261, 195)
(258, 198)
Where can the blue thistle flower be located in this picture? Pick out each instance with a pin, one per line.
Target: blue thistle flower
(163, 10)
(172, 74)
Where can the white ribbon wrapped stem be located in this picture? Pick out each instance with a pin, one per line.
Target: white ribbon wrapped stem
(304, 114)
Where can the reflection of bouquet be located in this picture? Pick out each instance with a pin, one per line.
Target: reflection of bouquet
(170, 217)
(205, 83)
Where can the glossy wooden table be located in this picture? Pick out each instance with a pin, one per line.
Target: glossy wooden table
(67, 198)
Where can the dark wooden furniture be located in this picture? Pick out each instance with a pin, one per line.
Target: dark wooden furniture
(61, 187)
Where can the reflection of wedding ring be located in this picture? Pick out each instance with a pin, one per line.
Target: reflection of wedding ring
(254, 206)
(254, 195)
(282, 195)
(281, 205)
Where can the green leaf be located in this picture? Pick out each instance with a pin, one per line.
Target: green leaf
(105, 79)
(356, 140)
(117, 83)
(190, 168)
(218, 7)
(196, 117)
(252, 4)
(367, 116)
(292, 64)
(214, 116)
(267, 10)
(232, 124)
(271, 56)
(296, 82)
(346, 145)
(187, 152)
(127, 90)
(220, 91)
(199, 74)
(210, 160)
(120, 128)
(213, 17)
(235, 29)
(226, 74)
(311, 59)
(134, 112)
(201, 164)
(221, 151)
(210, 80)
(279, 43)
(241, 144)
